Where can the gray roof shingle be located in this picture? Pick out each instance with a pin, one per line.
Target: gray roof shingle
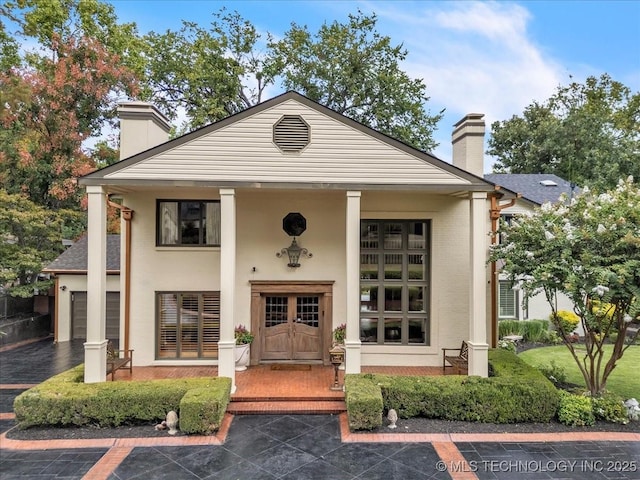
(530, 185)
(74, 258)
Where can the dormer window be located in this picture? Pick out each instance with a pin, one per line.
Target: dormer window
(291, 133)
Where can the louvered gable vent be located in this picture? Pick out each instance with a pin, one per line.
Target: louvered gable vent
(291, 133)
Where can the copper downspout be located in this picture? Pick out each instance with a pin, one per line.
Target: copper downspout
(127, 216)
(494, 214)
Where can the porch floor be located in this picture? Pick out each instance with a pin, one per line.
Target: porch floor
(263, 390)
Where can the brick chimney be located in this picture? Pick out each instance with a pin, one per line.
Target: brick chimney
(468, 144)
(142, 126)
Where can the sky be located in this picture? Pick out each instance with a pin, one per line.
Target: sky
(491, 57)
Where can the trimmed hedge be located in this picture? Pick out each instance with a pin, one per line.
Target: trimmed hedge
(516, 393)
(64, 400)
(201, 410)
(364, 401)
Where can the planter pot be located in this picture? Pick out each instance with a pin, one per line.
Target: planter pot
(242, 357)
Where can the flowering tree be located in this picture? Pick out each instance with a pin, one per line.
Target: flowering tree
(588, 249)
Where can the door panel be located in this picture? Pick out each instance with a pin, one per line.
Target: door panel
(276, 344)
(292, 327)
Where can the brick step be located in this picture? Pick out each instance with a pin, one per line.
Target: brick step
(288, 398)
(268, 407)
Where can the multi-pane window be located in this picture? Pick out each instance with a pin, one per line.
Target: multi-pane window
(188, 222)
(188, 325)
(507, 300)
(394, 282)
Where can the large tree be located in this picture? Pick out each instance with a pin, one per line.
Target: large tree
(354, 70)
(589, 250)
(61, 94)
(586, 133)
(30, 237)
(47, 114)
(216, 72)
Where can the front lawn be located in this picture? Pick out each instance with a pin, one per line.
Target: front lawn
(624, 380)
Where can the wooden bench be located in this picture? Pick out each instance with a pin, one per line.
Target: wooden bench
(459, 362)
(115, 361)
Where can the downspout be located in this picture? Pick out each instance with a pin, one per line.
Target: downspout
(494, 214)
(56, 304)
(127, 216)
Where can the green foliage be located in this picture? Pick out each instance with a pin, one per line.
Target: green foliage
(509, 327)
(31, 237)
(586, 133)
(352, 69)
(517, 393)
(565, 320)
(202, 409)
(588, 249)
(364, 402)
(575, 410)
(242, 335)
(554, 372)
(507, 345)
(63, 400)
(530, 330)
(610, 408)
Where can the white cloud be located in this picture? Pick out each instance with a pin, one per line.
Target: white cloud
(473, 56)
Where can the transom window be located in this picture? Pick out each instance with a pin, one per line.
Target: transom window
(188, 222)
(188, 325)
(394, 282)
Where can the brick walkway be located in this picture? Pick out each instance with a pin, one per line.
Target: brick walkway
(293, 446)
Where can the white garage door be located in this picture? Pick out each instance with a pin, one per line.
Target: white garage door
(79, 315)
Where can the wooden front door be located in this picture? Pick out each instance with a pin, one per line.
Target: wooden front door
(292, 328)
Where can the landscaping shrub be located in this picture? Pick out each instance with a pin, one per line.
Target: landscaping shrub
(201, 411)
(575, 410)
(509, 327)
(364, 401)
(535, 330)
(529, 330)
(517, 393)
(610, 408)
(65, 400)
(566, 319)
(554, 372)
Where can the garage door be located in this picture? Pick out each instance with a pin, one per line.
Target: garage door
(79, 315)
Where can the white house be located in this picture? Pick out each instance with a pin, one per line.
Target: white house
(535, 190)
(393, 241)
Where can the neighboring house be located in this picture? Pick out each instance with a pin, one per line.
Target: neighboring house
(291, 219)
(70, 271)
(535, 189)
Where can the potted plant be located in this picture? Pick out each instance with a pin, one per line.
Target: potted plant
(243, 340)
(339, 334)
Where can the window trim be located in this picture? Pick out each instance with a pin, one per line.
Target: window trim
(159, 243)
(404, 314)
(179, 354)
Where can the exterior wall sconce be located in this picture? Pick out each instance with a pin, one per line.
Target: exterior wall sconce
(294, 224)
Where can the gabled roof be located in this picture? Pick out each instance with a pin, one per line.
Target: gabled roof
(538, 188)
(239, 151)
(74, 259)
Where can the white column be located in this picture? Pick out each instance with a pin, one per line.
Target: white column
(226, 345)
(95, 348)
(352, 341)
(478, 243)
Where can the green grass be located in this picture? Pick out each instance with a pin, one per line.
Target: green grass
(624, 380)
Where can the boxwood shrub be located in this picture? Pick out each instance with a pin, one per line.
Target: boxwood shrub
(516, 392)
(201, 411)
(364, 401)
(64, 400)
